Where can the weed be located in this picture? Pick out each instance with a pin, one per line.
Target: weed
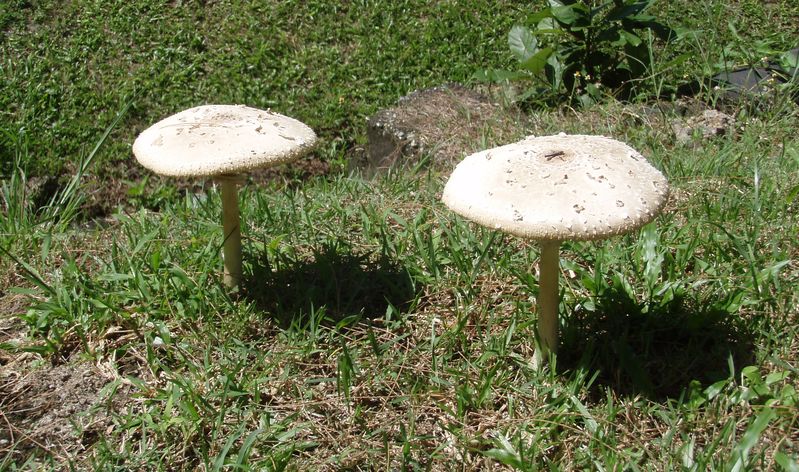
(583, 48)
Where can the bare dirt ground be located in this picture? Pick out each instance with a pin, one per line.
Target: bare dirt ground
(62, 409)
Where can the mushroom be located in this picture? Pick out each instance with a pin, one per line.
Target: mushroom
(223, 141)
(556, 188)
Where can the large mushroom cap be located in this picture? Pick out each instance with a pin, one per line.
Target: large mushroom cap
(221, 139)
(555, 188)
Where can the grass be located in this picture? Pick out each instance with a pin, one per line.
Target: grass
(375, 329)
(70, 67)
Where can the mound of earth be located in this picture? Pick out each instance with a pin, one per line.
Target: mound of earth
(444, 123)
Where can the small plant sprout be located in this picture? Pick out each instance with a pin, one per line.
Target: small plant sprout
(223, 142)
(556, 188)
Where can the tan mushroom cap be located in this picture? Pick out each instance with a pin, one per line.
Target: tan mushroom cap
(564, 187)
(221, 139)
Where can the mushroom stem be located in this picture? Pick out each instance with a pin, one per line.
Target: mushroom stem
(232, 230)
(549, 268)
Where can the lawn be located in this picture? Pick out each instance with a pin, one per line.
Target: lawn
(374, 328)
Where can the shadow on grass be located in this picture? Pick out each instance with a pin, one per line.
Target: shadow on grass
(334, 282)
(656, 352)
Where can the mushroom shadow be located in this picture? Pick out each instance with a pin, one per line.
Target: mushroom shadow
(657, 352)
(337, 283)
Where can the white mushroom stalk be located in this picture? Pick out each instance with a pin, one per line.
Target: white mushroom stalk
(556, 188)
(231, 227)
(548, 300)
(223, 142)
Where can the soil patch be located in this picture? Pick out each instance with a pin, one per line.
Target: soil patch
(61, 410)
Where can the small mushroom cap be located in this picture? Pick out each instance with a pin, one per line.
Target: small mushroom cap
(212, 140)
(556, 188)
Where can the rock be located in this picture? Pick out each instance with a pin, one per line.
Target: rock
(444, 123)
(708, 124)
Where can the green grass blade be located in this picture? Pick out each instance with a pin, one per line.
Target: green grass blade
(33, 275)
(740, 453)
(64, 205)
(246, 448)
(220, 458)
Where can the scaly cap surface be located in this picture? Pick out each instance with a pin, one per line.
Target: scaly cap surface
(221, 139)
(564, 187)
